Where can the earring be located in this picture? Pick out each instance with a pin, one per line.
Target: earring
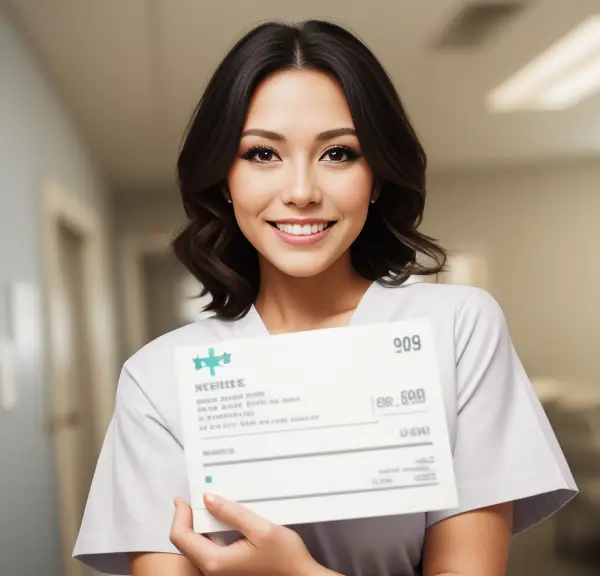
(374, 194)
(226, 193)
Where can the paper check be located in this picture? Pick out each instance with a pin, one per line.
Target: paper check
(315, 426)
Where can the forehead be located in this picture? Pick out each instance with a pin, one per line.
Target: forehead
(299, 101)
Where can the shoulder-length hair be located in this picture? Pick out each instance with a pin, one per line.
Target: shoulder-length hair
(212, 246)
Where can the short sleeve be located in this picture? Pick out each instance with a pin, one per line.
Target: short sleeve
(505, 449)
(141, 469)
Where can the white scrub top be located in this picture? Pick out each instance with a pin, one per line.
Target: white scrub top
(503, 446)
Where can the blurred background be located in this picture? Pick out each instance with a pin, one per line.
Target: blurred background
(94, 100)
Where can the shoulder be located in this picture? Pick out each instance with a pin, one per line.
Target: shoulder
(160, 350)
(462, 316)
(148, 378)
(462, 303)
(471, 319)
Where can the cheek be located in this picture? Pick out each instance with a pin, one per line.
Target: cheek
(247, 189)
(352, 194)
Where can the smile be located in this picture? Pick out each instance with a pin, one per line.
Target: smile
(302, 233)
(302, 229)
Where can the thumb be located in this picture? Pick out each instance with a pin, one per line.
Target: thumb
(195, 547)
(238, 517)
(183, 524)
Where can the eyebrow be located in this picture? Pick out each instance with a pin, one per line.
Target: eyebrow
(327, 135)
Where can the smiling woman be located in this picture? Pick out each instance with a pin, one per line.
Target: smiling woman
(306, 129)
(308, 187)
(304, 184)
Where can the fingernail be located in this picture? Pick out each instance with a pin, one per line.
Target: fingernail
(210, 498)
(177, 502)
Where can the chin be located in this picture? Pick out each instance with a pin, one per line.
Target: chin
(304, 267)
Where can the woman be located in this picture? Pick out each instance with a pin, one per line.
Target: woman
(304, 184)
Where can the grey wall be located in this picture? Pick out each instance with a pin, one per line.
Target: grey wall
(37, 139)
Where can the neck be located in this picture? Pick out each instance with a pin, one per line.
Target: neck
(289, 304)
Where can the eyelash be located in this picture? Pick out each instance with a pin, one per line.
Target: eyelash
(250, 155)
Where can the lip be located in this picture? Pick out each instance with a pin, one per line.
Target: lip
(302, 221)
(296, 240)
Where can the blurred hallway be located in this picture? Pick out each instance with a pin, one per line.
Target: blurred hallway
(94, 101)
(533, 555)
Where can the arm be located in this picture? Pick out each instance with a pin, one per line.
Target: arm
(150, 564)
(474, 543)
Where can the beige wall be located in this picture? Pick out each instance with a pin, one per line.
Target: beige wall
(143, 214)
(134, 217)
(539, 229)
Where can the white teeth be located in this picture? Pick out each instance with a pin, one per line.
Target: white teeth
(302, 230)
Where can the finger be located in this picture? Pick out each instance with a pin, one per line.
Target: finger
(238, 517)
(195, 547)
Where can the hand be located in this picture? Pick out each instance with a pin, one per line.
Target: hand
(265, 550)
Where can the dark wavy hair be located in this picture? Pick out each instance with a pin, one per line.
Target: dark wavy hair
(212, 246)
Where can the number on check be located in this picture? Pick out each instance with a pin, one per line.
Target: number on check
(410, 397)
(407, 398)
(407, 344)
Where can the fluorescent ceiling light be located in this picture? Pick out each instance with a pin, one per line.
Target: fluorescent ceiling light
(561, 77)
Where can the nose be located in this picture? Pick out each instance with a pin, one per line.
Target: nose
(302, 189)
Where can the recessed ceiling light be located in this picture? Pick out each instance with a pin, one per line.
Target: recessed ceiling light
(559, 78)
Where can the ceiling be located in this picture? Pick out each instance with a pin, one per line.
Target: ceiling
(132, 71)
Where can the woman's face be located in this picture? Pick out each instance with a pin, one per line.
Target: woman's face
(300, 187)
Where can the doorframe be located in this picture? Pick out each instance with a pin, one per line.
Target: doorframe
(61, 207)
(134, 247)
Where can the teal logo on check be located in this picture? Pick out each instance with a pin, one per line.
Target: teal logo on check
(212, 361)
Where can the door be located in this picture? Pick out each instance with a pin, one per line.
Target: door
(71, 419)
(161, 274)
(80, 340)
(170, 295)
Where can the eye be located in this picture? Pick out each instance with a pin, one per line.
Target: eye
(339, 154)
(260, 154)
